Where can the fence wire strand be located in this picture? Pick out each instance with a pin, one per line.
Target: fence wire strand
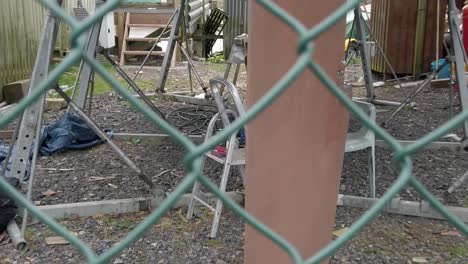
(192, 160)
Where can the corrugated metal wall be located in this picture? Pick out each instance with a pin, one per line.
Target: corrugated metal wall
(195, 13)
(237, 23)
(21, 23)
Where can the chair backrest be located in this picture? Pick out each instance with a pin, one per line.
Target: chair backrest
(369, 109)
(230, 90)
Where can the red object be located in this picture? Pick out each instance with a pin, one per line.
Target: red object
(219, 151)
(465, 26)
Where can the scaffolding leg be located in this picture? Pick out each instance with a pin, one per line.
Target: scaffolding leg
(369, 80)
(132, 84)
(459, 57)
(86, 71)
(170, 47)
(192, 66)
(105, 138)
(30, 125)
(32, 114)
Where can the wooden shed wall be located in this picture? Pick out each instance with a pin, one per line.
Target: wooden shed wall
(393, 24)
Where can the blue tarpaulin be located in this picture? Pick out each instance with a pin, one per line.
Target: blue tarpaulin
(69, 133)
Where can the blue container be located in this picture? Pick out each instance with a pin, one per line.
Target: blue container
(444, 73)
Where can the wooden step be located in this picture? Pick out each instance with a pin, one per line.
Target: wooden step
(149, 25)
(142, 52)
(146, 39)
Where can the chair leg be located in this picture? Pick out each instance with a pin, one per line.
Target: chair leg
(371, 167)
(219, 204)
(195, 190)
(241, 169)
(224, 180)
(196, 186)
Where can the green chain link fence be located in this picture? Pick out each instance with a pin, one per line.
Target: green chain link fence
(192, 160)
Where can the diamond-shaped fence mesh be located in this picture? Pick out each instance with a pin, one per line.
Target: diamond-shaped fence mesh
(192, 160)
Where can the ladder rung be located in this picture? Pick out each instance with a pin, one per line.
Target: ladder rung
(146, 39)
(149, 25)
(204, 203)
(142, 52)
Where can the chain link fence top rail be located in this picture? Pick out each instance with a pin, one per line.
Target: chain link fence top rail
(192, 160)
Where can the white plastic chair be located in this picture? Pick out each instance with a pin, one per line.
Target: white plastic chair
(365, 139)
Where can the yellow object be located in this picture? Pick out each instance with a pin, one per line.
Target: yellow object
(453, 68)
(347, 41)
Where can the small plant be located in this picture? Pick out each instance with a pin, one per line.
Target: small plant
(216, 58)
(460, 251)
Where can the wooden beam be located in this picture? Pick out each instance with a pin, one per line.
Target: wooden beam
(292, 185)
(120, 30)
(124, 43)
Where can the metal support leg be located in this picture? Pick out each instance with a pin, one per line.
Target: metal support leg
(105, 138)
(86, 71)
(13, 139)
(192, 66)
(191, 206)
(32, 114)
(222, 187)
(413, 95)
(369, 80)
(371, 167)
(236, 74)
(170, 47)
(131, 83)
(459, 53)
(241, 169)
(30, 125)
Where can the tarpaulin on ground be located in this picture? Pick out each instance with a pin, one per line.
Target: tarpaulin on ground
(69, 132)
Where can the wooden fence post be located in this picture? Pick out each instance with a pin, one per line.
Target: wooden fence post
(295, 148)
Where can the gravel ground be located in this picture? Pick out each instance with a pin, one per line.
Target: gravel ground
(427, 111)
(98, 174)
(390, 239)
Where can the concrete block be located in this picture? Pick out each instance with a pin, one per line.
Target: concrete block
(55, 104)
(14, 92)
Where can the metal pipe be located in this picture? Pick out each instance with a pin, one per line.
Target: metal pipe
(426, 82)
(105, 138)
(16, 236)
(79, 73)
(198, 12)
(91, 92)
(132, 84)
(141, 135)
(458, 183)
(236, 74)
(195, 4)
(195, 72)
